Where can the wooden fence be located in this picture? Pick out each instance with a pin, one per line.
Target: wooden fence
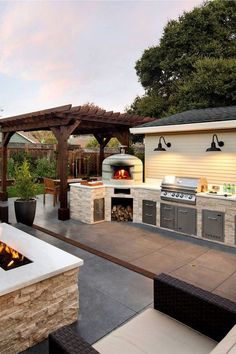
(81, 162)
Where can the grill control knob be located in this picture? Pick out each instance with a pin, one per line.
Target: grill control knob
(181, 195)
(190, 197)
(172, 194)
(164, 193)
(177, 195)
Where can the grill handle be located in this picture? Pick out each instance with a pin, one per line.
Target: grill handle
(183, 211)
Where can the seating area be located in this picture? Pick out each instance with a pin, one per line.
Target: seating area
(185, 319)
(51, 187)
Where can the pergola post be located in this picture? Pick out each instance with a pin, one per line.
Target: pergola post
(62, 134)
(5, 140)
(3, 194)
(123, 137)
(103, 141)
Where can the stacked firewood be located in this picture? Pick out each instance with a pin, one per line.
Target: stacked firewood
(122, 213)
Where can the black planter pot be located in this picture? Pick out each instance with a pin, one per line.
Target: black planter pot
(25, 211)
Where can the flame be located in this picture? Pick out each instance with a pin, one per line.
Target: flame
(121, 174)
(10, 263)
(13, 253)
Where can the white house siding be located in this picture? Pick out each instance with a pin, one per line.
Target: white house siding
(187, 156)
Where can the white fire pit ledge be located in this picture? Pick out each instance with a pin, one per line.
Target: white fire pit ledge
(38, 297)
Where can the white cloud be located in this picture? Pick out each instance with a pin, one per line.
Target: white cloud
(81, 51)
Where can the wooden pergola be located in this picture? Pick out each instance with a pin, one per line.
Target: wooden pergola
(64, 121)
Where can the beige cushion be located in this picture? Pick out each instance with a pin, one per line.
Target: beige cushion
(152, 332)
(227, 345)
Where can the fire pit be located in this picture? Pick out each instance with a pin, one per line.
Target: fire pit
(10, 258)
(38, 289)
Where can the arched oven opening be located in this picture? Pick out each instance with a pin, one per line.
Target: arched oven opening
(121, 172)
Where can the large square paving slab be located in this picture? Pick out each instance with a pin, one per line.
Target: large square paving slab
(202, 263)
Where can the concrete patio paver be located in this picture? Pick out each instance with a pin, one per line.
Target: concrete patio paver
(197, 261)
(227, 288)
(205, 278)
(102, 307)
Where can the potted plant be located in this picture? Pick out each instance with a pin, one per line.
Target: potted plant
(25, 205)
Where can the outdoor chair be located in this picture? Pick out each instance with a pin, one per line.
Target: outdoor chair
(185, 320)
(51, 187)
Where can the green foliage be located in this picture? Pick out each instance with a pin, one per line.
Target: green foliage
(113, 143)
(199, 46)
(20, 156)
(44, 137)
(213, 83)
(10, 168)
(12, 192)
(93, 143)
(24, 182)
(45, 168)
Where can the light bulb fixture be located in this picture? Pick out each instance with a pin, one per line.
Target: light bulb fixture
(213, 146)
(160, 147)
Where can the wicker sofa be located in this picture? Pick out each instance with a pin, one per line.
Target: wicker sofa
(185, 319)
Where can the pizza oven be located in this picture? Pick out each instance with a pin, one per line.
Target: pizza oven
(122, 169)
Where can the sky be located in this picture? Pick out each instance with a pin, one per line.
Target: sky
(74, 52)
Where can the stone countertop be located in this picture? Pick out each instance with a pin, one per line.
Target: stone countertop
(79, 185)
(151, 186)
(154, 187)
(217, 196)
(47, 260)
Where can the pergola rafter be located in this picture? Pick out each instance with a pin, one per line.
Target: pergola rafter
(64, 121)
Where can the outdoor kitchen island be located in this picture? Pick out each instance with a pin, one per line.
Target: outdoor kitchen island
(211, 218)
(37, 297)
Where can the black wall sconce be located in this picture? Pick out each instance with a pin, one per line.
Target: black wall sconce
(213, 144)
(160, 147)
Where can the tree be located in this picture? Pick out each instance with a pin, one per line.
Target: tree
(93, 143)
(45, 137)
(190, 46)
(212, 83)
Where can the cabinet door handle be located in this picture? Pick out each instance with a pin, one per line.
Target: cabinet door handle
(166, 208)
(211, 218)
(167, 219)
(147, 204)
(183, 211)
(149, 214)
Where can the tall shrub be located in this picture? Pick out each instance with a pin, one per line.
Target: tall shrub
(24, 182)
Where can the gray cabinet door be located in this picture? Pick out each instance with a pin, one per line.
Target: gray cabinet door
(98, 214)
(149, 212)
(187, 220)
(168, 217)
(213, 225)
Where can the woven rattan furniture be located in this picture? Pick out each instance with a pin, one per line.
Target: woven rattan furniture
(207, 313)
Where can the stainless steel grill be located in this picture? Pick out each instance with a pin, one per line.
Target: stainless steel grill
(182, 189)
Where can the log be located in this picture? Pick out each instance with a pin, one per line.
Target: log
(121, 213)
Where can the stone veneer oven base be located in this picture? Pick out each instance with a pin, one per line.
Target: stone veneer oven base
(29, 314)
